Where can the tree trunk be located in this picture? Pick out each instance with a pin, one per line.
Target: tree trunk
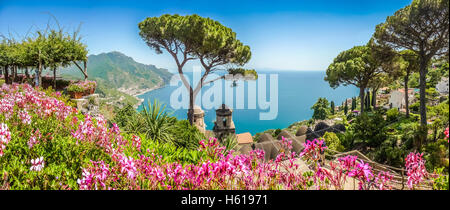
(406, 95)
(54, 78)
(27, 74)
(39, 75)
(13, 74)
(85, 71)
(191, 107)
(423, 101)
(361, 96)
(374, 98)
(6, 75)
(368, 101)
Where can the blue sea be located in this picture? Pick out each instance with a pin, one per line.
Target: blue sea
(297, 93)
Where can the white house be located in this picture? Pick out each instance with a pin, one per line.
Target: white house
(442, 86)
(397, 98)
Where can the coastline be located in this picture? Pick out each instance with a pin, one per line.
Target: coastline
(140, 92)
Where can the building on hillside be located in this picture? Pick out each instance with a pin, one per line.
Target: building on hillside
(244, 138)
(224, 124)
(397, 98)
(442, 86)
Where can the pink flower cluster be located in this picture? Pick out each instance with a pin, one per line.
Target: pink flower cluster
(5, 137)
(211, 147)
(24, 100)
(446, 134)
(313, 149)
(18, 105)
(95, 177)
(96, 131)
(34, 138)
(136, 142)
(37, 164)
(25, 117)
(415, 169)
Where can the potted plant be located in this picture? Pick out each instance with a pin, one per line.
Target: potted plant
(75, 91)
(92, 85)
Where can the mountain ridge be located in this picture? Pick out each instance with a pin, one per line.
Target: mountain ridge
(120, 71)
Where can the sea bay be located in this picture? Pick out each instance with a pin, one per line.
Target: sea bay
(297, 93)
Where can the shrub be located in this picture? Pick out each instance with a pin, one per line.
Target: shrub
(392, 115)
(332, 141)
(370, 129)
(185, 135)
(321, 109)
(415, 107)
(124, 116)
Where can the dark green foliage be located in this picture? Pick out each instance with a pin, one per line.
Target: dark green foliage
(172, 153)
(353, 104)
(332, 107)
(370, 128)
(415, 107)
(243, 72)
(392, 115)
(390, 153)
(436, 152)
(321, 110)
(124, 116)
(157, 125)
(185, 135)
(154, 123)
(347, 139)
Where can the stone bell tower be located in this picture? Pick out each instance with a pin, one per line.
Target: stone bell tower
(199, 119)
(224, 124)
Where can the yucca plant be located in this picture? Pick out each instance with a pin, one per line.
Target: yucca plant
(155, 123)
(229, 142)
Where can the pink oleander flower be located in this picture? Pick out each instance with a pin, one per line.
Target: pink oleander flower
(25, 117)
(37, 164)
(415, 169)
(5, 137)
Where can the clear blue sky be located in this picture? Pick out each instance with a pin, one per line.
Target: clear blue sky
(283, 35)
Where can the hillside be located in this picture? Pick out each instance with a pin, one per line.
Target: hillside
(121, 72)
